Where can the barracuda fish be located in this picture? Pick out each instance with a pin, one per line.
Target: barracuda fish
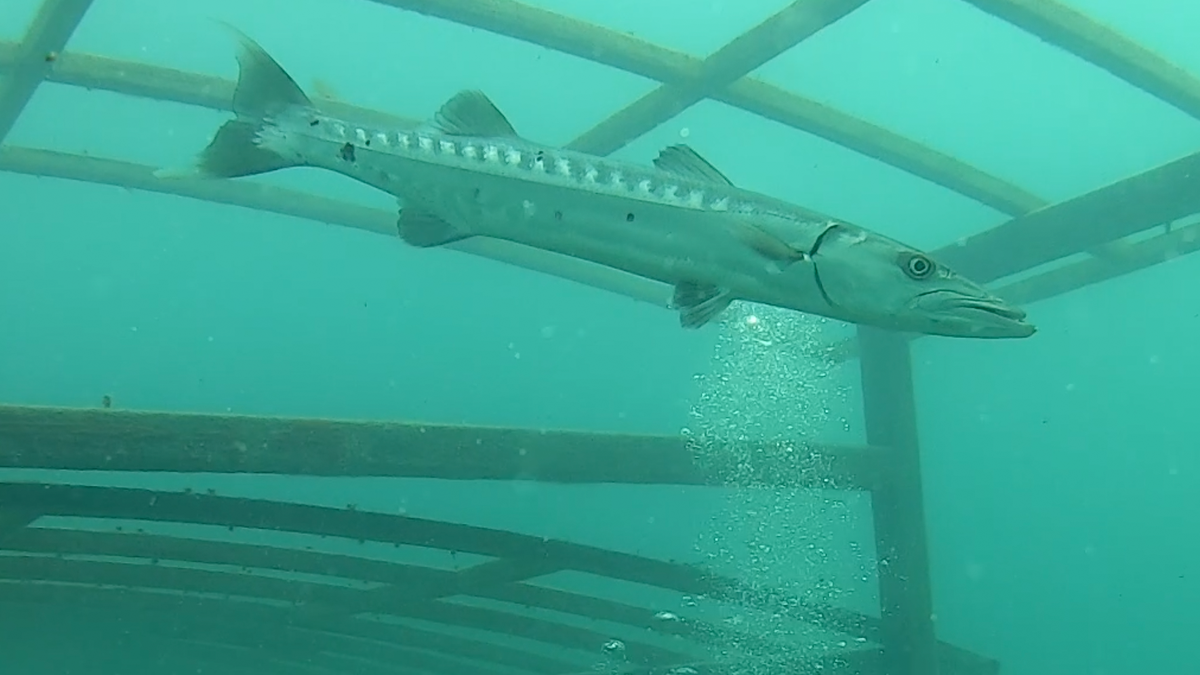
(682, 222)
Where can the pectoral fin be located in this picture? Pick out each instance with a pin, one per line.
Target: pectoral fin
(699, 304)
(424, 230)
(775, 250)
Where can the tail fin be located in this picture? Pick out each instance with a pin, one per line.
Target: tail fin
(264, 90)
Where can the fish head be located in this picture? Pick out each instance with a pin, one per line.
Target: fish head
(871, 279)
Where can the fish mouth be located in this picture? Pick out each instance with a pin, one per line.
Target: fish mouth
(964, 315)
(996, 307)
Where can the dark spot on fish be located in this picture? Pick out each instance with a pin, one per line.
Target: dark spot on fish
(629, 217)
(314, 123)
(347, 152)
(558, 215)
(476, 194)
(51, 57)
(367, 143)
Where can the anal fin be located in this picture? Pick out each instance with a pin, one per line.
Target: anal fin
(424, 230)
(699, 304)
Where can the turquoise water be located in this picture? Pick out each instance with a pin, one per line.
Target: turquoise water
(1061, 472)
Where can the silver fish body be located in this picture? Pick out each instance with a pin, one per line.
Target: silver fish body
(680, 222)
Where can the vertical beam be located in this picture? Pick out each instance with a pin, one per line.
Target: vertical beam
(48, 33)
(905, 594)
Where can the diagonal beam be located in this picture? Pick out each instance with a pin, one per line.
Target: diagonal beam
(618, 50)
(1160, 195)
(48, 33)
(1083, 36)
(1116, 261)
(779, 33)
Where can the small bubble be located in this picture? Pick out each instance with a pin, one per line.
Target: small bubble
(614, 650)
(667, 616)
(685, 132)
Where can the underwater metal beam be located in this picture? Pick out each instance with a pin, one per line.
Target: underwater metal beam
(619, 50)
(1077, 33)
(46, 36)
(82, 438)
(744, 54)
(261, 197)
(1160, 195)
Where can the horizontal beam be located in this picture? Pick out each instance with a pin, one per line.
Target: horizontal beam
(83, 439)
(355, 524)
(260, 197)
(602, 45)
(254, 559)
(1160, 195)
(1075, 32)
(1114, 261)
(620, 50)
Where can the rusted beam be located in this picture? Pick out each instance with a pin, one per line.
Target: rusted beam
(48, 33)
(1087, 38)
(782, 31)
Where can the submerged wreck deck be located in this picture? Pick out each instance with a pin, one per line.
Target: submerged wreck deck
(135, 556)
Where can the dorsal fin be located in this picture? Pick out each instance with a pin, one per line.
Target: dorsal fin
(472, 113)
(682, 160)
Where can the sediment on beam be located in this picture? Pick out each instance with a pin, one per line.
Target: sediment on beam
(103, 439)
(48, 32)
(779, 33)
(1083, 36)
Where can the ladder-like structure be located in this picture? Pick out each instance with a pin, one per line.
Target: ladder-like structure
(323, 628)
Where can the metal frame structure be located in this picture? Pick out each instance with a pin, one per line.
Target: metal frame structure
(1108, 232)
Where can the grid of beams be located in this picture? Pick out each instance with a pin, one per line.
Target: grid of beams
(1154, 198)
(495, 617)
(328, 627)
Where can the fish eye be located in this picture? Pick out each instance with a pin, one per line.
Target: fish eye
(918, 266)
